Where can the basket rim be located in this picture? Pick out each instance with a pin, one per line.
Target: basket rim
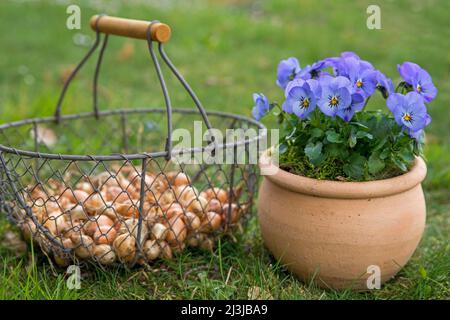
(133, 156)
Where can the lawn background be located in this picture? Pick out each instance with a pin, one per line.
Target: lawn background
(226, 49)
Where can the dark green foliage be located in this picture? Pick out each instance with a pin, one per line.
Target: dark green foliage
(371, 147)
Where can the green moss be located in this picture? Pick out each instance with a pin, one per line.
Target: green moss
(331, 169)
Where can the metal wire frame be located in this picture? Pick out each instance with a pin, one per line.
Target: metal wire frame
(78, 67)
(16, 170)
(8, 175)
(133, 156)
(245, 177)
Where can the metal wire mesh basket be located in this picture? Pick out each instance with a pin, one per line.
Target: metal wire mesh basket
(82, 187)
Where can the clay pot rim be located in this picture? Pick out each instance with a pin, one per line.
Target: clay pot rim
(346, 190)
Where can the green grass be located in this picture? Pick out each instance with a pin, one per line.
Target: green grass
(226, 49)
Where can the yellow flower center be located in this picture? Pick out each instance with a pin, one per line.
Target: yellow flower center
(334, 101)
(305, 103)
(359, 83)
(407, 117)
(419, 88)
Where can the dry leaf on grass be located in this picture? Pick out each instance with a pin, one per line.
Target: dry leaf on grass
(256, 293)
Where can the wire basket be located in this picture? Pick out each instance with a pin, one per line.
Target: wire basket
(81, 187)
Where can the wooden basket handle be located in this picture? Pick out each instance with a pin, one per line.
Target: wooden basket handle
(130, 28)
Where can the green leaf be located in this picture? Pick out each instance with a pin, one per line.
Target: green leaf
(380, 144)
(406, 154)
(282, 148)
(316, 133)
(333, 136)
(355, 167)
(352, 140)
(335, 150)
(385, 153)
(292, 119)
(363, 134)
(399, 163)
(375, 163)
(359, 124)
(380, 125)
(314, 152)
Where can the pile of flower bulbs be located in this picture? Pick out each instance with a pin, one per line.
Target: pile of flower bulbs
(99, 218)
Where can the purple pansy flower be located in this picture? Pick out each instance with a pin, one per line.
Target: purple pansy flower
(409, 111)
(418, 134)
(287, 69)
(319, 65)
(363, 79)
(304, 73)
(301, 97)
(356, 104)
(332, 61)
(261, 106)
(408, 71)
(385, 83)
(335, 95)
(312, 71)
(423, 85)
(338, 62)
(362, 63)
(342, 65)
(419, 79)
(350, 54)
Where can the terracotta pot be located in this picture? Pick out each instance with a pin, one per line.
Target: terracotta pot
(333, 231)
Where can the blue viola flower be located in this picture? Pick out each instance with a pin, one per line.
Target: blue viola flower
(363, 78)
(261, 106)
(287, 70)
(419, 79)
(342, 65)
(319, 65)
(385, 83)
(418, 135)
(356, 104)
(363, 64)
(312, 71)
(408, 71)
(337, 63)
(335, 95)
(332, 61)
(301, 97)
(423, 85)
(409, 111)
(350, 54)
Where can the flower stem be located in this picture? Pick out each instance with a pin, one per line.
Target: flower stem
(365, 104)
(282, 113)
